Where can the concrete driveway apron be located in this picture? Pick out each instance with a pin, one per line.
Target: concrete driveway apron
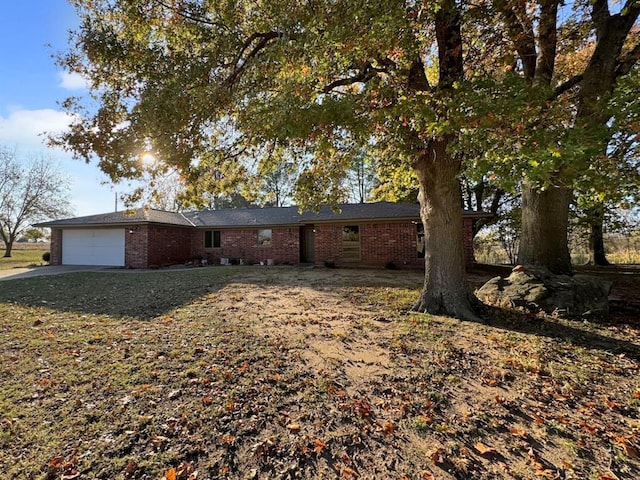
(28, 272)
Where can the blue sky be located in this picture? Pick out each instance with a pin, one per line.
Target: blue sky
(31, 86)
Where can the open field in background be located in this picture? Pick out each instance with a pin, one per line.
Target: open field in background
(280, 372)
(44, 246)
(620, 251)
(23, 255)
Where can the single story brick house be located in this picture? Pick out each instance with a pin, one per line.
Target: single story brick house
(352, 235)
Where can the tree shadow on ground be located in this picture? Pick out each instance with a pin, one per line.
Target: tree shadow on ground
(148, 295)
(623, 319)
(120, 294)
(588, 334)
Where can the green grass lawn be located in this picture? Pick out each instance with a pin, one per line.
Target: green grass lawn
(280, 372)
(21, 258)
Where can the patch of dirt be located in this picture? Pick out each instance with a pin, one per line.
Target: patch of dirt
(320, 322)
(283, 373)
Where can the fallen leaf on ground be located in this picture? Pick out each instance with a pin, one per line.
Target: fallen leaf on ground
(630, 451)
(608, 476)
(545, 473)
(484, 450)
(293, 427)
(388, 428)
(436, 455)
(518, 432)
(319, 445)
(611, 403)
(348, 473)
(56, 462)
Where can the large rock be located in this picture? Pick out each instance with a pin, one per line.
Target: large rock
(536, 289)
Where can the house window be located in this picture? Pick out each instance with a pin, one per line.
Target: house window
(351, 243)
(420, 239)
(212, 239)
(264, 237)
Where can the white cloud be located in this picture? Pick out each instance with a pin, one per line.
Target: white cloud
(26, 129)
(72, 81)
(24, 132)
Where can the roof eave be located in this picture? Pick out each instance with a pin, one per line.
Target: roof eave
(103, 224)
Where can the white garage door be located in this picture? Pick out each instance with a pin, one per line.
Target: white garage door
(93, 247)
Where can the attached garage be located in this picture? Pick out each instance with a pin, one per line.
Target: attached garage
(98, 246)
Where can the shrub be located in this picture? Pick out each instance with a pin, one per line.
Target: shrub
(46, 256)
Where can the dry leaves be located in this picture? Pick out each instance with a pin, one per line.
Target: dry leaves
(186, 471)
(608, 476)
(294, 427)
(485, 450)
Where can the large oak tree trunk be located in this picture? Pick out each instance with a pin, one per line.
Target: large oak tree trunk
(446, 290)
(596, 237)
(544, 238)
(8, 249)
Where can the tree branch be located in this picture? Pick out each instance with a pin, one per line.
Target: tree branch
(568, 85)
(417, 80)
(448, 21)
(547, 39)
(243, 58)
(193, 18)
(600, 14)
(368, 72)
(628, 61)
(522, 37)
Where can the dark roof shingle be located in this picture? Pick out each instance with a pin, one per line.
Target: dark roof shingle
(124, 217)
(251, 217)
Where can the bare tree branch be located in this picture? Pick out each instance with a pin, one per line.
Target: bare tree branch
(243, 58)
(366, 73)
(193, 18)
(566, 86)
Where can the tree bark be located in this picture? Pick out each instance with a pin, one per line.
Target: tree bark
(544, 240)
(596, 237)
(8, 248)
(446, 290)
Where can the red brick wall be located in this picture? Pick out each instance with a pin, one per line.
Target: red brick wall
(135, 246)
(56, 247)
(328, 243)
(380, 243)
(237, 243)
(149, 245)
(169, 245)
(467, 232)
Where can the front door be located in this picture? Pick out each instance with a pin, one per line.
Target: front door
(307, 244)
